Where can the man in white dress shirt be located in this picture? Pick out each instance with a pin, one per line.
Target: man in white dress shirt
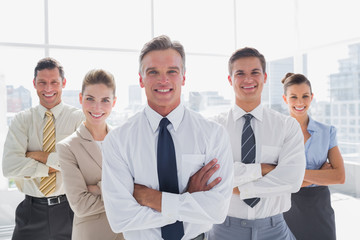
(133, 202)
(43, 214)
(263, 186)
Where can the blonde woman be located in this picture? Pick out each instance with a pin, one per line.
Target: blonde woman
(81, 159)
(311, 215)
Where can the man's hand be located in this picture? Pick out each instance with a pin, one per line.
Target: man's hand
(147, 197)
(52, 170)
(94, 189)
(266, 168)
(38, 156)
(236, 191)
(198, 181)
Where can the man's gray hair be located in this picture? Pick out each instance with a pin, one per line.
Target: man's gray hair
(162, 42)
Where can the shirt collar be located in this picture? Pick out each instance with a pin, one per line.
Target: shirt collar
(55, 110)
(175, 117)
(311, 125)
(239, 112)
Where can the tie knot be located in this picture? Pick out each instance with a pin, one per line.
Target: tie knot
(48, 114)
(248, 117)
(164, 122)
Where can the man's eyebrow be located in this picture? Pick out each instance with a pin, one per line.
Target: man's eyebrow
(149, 69)
(174, 67)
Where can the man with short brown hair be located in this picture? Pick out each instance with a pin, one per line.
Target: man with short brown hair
(31, 160)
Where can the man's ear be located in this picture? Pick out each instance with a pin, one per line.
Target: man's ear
(63, 82)
(265, 77)
(141, 81)
(229, 79)
(80, 98)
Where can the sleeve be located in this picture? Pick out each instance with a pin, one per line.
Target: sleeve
(289, 172)
(53, 160)
(244, 173)
(333, 140)
(208, 207)
(82, 202)
(123, 211)
(15, 163)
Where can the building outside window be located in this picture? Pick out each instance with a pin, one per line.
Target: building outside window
(109, 34)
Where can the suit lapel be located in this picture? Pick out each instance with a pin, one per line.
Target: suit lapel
(90, 145)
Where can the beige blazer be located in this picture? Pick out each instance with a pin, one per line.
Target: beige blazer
(81, 164)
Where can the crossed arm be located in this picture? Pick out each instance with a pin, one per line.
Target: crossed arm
(265, 169)
(198, 182)
(332, 172)
(41, 157)
(17, 160)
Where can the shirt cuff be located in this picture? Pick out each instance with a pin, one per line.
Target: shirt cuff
(244, 173)
(254, 170)
(42, 170)
(170, 203)
(53, 161)
(245, 191)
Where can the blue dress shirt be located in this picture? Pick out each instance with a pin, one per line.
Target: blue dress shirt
(323, 138)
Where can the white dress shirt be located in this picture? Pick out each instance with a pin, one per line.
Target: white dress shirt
(129, 156)
(26, 135)
(279, 141)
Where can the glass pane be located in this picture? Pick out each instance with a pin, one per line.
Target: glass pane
(322, 22)
(202, 26)
(271, 32)
(124, 67)
(336, 83)
(108, 23)
(207, 84)
(19, 71)
(22, 21)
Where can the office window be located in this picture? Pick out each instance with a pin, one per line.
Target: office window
(254, 34)
(105, 24)
(78, 62)
(309, 10)
(335, 111)
(22, 21)
(109, 34)
(327, 110)
(202, 26)
(19, 71)
(352, 109)
(343, 110)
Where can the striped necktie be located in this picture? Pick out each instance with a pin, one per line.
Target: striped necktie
(248, 151)
(47, 184)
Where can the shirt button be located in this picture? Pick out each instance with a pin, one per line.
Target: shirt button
(243, 223)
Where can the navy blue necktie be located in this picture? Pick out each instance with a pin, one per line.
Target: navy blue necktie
(248, 151)
(167, 175)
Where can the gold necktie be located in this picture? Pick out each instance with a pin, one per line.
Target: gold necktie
(47, 184)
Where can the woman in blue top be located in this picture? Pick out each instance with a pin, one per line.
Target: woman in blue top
(311, 215)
